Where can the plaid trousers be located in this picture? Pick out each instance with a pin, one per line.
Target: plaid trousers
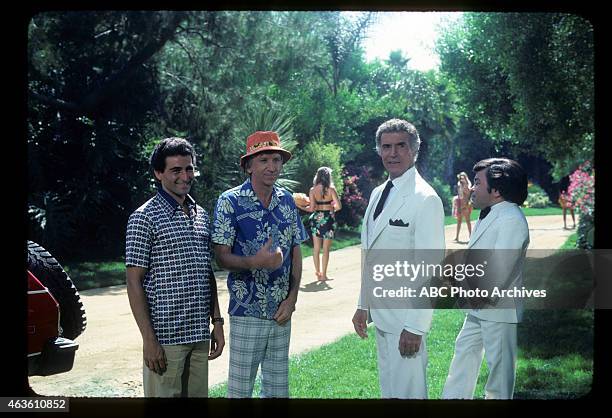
(255, 342)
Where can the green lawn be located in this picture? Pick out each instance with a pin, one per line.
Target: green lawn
(554, 361)
(570, 243)
(91, 275)
(552, 210)
(450, 220)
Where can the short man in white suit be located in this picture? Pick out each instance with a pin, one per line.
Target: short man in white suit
(404, 214)
(500, 187)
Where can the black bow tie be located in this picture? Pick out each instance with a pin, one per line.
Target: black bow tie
(484, 212)
(381, 202)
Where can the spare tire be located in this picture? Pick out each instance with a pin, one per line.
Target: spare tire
(52, 275)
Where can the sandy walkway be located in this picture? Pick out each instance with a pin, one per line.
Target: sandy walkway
(109, 360)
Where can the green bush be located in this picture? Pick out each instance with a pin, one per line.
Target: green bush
(445, 193)
(536, 197)
(314, 155)
(537, 201)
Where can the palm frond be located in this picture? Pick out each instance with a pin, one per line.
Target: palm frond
(269, 117)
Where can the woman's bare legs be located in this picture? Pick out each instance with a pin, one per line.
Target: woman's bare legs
(469, 225)
(327, 243)
(316, 249)
(458, 226)
(573, 219)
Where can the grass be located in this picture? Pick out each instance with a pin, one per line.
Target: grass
(451, 220)
(551, 210)
(555, 361)
(324, 372)
(570, 242)
(91, 275)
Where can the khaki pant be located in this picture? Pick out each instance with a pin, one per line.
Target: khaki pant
(186, 372)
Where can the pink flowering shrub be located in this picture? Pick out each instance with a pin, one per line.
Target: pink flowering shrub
(582, 189)
(353, 202)
(582, 192)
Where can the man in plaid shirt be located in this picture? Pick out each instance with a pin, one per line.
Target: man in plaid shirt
(170, 282)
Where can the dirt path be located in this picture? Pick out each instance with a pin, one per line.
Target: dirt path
(109, 360)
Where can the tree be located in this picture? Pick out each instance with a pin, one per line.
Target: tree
(526, 80)
(227, 70)
(92, 92)
(60, 39)
(342, 37)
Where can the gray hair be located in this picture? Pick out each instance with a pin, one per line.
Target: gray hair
(400, 125)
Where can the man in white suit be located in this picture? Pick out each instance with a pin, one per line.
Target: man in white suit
(403, 214)
(500, 187)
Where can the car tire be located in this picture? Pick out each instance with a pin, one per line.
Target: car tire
(52, 275)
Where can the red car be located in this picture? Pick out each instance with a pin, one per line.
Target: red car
(55, 314)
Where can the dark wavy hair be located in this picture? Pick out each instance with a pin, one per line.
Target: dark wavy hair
(506, 176)
(169, 147)
(324, 178)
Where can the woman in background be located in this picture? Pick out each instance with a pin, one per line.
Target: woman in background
(566, 202)
(462, 207)
(324, 202)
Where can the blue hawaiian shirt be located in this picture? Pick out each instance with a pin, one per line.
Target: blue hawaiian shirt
(244, 224)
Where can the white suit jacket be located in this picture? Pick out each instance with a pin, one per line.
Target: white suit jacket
(415, 203)
(504, 228)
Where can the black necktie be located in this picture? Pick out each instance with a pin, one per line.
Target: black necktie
(484, 213)
(383, 198)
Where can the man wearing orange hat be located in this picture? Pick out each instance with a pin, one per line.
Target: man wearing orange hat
(257, 233)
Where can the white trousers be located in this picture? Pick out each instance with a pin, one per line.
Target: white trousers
(400, 377)
(497, 340)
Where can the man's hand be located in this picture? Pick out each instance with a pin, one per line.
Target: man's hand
(360, 324)
(154, 355)
(409, 343)
(267, 258)
(284, 311)
(217, 342)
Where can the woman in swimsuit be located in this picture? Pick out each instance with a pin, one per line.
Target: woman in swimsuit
(324, 202)
(462, 207)
(566, 201)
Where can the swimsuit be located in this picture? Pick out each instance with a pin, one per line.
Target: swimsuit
(322, 223)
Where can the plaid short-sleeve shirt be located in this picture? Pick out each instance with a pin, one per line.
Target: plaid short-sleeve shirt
(175, 249)
(244, 224)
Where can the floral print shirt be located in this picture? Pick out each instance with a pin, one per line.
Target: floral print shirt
(244, 224)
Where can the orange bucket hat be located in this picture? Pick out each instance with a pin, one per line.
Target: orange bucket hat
(264, 141)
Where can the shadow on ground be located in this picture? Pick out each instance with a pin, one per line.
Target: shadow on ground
(316, 286)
